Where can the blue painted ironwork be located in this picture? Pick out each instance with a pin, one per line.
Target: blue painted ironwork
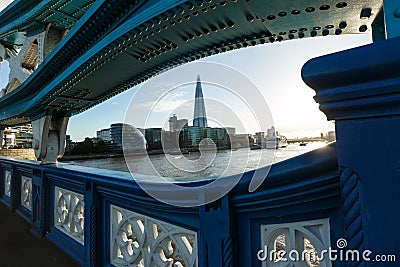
(291, 193)
(227, 252)
(353, 217)
(26, 18)
(38, 215)
(392, 18)
(359, 89)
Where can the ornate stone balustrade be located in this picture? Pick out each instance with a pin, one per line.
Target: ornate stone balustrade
(138, 240)
(69, 213)
(302, 241)
(26, 192)
(7, 183)
(103, 218)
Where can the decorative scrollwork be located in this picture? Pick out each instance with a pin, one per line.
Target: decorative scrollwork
(26, 192)
(7, 183)
(69, 213)
(138, 240)
(307, 238)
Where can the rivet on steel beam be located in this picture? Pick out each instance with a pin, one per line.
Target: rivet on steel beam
(250, 18)
(342, 24)
(397, 12)
(295, 12)
(230, 23)
(282, 14)
(341, 5)
(324, 7)
(309, 9)
(363, 28)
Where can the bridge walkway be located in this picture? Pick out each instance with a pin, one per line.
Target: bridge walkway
(18, 248)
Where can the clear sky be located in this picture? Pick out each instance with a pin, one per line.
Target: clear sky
(273, 68)
(4, 3)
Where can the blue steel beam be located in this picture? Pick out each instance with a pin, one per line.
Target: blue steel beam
(23, 18)
(88, 30)
(392, 18)
(103, 56)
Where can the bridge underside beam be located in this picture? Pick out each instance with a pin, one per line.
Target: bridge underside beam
(24, 61)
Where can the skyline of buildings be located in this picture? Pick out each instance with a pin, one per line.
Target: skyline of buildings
(180, 135)
(18, 136)
(175, 124)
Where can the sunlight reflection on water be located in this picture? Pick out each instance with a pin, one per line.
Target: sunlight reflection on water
(215, 169)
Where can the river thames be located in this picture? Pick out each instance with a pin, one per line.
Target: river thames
(195, 165)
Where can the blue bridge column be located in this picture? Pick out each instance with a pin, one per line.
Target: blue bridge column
(40, 205)
(360, 90)
(217, 246)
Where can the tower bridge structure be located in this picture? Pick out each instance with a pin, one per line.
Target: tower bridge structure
(66, 56)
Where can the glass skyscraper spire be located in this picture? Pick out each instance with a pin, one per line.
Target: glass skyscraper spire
(200, 117)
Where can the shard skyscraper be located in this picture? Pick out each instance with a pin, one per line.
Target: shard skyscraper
(200, 117)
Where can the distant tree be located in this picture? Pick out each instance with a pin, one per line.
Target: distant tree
(88, 147)
(84, 148)
(101, 147)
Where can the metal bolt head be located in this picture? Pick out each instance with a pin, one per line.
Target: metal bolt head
(397, 12)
